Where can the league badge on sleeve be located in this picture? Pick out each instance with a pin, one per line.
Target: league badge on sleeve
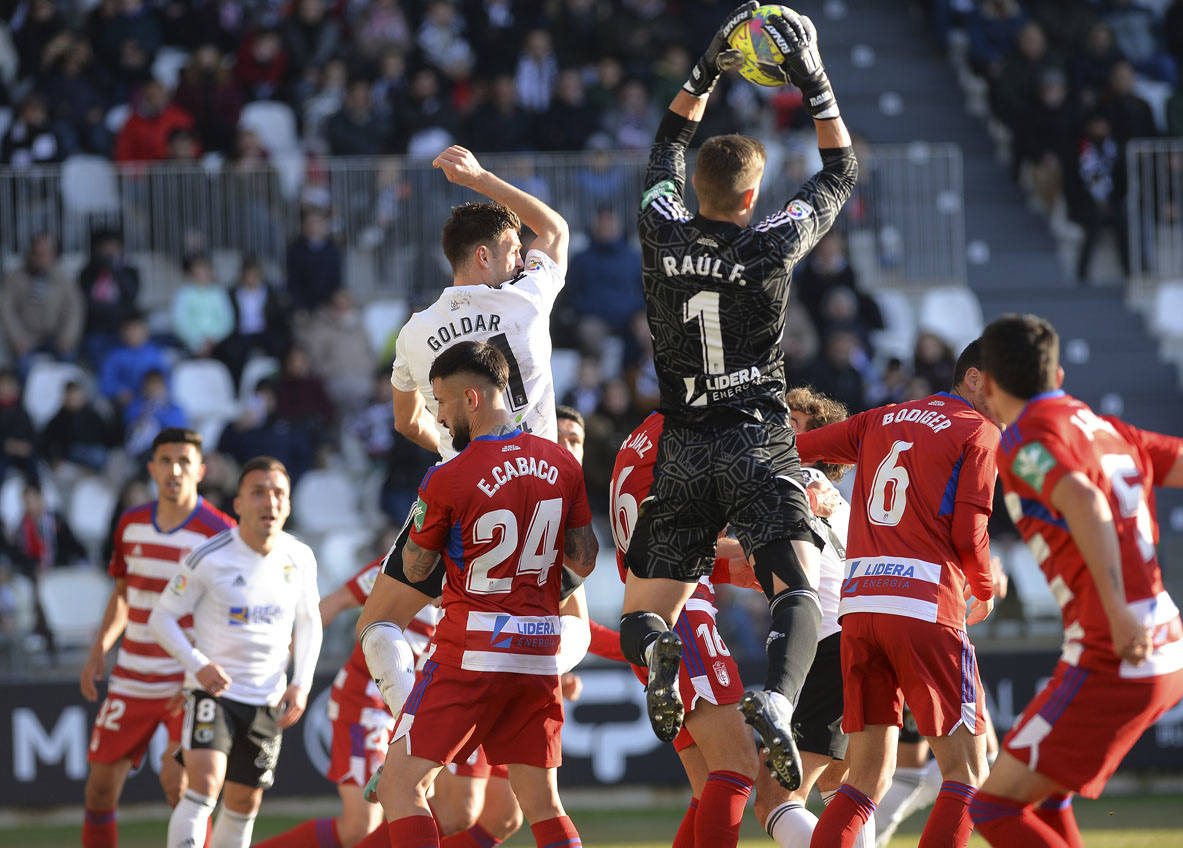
(419, 513)
(799, 210)
(1032, 463)
(177, 586)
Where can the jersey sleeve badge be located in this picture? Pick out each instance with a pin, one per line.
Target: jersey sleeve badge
(1032, 464)
(419, 513)
(799, 210)
(665, 188)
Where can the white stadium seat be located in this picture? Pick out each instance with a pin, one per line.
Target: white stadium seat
(339, 556)
(45, 386)
(204, 389)
(1166, 319)
(92, 503)
(326, 500)
(257, 368)
(898, 336)
(564, 369)
(274, 123)
(167, 66)
(73, 602)
(1029, 583)
(89, 185)
(12, 503)
(383, 318)
(953, 313)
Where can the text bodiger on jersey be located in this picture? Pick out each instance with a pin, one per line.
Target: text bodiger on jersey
(522, 466)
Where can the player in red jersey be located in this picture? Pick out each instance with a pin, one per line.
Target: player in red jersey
(714, 744)
(1079, 488)
(917, 547)
(144, 689)
(499, 513)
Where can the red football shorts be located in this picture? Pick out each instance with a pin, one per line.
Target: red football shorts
(477, 765)
(888, 660)
(516, 717)
(361, 735)
(124, 727)
(708, 671)
(1077, 730)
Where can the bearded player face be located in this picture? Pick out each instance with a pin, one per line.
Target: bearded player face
(456, 402)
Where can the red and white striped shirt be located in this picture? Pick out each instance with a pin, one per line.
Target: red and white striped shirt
(147, 557)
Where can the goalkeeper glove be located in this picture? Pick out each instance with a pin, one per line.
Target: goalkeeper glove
(796, 38)
(719, 55)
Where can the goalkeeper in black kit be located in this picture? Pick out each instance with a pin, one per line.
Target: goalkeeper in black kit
(716, 291)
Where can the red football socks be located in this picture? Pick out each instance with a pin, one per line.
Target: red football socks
(843, 819)
(949, 822)
(684, 838)
(475, 837)
(1005, 823)
(554, 833)
(413, 832)
(314, 833)
(378, 838)
(1057, 813)
(720, 810)
(99, 829)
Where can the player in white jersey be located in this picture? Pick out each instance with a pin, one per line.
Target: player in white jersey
(144, 689)
(252, 593)
(497, 297)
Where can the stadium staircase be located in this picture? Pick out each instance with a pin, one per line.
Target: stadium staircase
(880, 55)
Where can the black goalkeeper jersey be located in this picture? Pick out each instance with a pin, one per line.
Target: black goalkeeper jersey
(716, 293)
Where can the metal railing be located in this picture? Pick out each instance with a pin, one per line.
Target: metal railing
(1154, 208)
(387, 212)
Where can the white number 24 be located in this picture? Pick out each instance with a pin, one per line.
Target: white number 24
(539, 550)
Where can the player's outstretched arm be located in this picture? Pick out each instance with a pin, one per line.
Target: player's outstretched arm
(335, 603)
(1091, 523)
(113, 624)
(461, 167)
(580, 549)
(411, 419)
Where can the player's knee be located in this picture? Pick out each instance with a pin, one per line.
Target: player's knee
(779, 559)
(457, 812)
(503, 822)
(637, 631)
(102, 793)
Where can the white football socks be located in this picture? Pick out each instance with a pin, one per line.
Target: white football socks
(233, 830)
(189, 819)
(791, 825)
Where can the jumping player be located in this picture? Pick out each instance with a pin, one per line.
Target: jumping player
(716, 291)
(499, 513)
(144, 689)
(922, 494)
(1080, 489)
(252, 594)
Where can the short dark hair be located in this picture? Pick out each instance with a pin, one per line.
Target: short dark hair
(473, 224)
(478, 359)
(727, 166)
(971, 357)
(822, 410)
(177, 436)
(1021, 353)
(569, 413)
(262, 463)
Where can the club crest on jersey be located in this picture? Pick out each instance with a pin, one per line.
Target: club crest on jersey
(721, 673)
(419, 513)
(799, 210)
(289, 571)
(1032, 463)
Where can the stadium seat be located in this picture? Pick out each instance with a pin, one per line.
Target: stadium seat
(257, 368)
(290, 167)
(564, 369)
(339, 556)
(12, 504)
(383, 319)
(953, 313)
(898, 336)
(326, 500)
(204, 389)
(92, 503)
(1029, 583)
(73, 602)
(274, 123)
(1166, 319)
(24, 604)
(45, 386)
(116, 117)
(167, 66)
(89, 185)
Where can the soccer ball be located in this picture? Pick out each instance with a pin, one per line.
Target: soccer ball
(750, 40)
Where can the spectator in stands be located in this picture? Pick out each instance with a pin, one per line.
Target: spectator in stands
(606, 428)
(1095, 191)
(1045, 142)
(373, 425)
(838, 372)
(633, 122)
(41, 309)
(640, 366)
(313, 262)
(201, 309)
(406, 464)
(183, 146)
(379, 26)
(78, 434)
(826, 267)
(122, 370)
(1014, 91)
(320, 94)
(570, 120)
(358, 130)
(300, 395)
(992, 28)
(339, 350)
(441, 39)
(18, 439)
(43, 540)
(499, 125)
(844, 308)
(604, 279)
(1136, 31)
(1172, 30)
(390, 86)
(260, 429)
(1089, 67)
(150, 412)
(587, 32)
(207, 91)
(32, 138)
(1128, 114)
(135, 24)
(1174, 109)
(311, 35)
(74, 88)
(588, 389)
(262, 324)
(537, 70)
(1066, 22)
(933, 359)
(134, 492)
(424, 111)
(261, 65)
(144, 138)
(43, 22)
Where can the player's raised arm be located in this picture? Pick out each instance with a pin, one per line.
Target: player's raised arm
(461, 167)
(411, 419)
